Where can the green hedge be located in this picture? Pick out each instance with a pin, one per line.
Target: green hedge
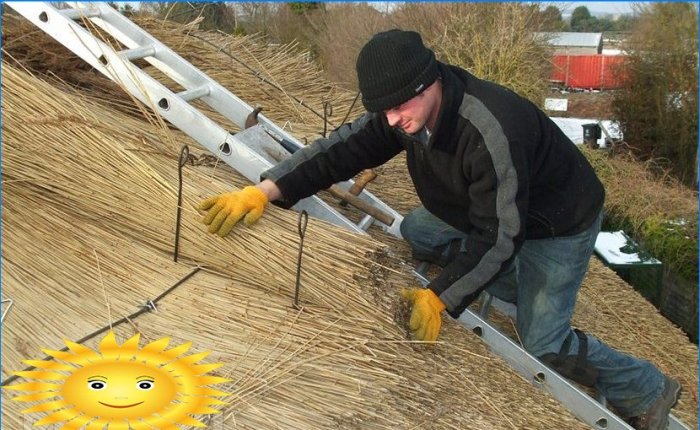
(659, 213)
(675, 243)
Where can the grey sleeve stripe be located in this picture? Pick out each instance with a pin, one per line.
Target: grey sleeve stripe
(318, 146)
(506, 210)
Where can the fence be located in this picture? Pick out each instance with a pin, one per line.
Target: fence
(600, 72)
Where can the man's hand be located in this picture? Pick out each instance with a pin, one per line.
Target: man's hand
(225, 210)
(425, 317)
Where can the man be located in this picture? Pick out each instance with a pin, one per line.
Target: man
(509, 204)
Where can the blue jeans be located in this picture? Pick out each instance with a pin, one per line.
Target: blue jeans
(544, 280)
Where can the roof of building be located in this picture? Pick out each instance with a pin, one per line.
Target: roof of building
(592, 40)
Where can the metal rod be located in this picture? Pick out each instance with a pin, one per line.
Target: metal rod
(327, 112)
(184, 156)
(194, 93)
(350, 108)
(138, 53)
(486, 300)
(301, 228)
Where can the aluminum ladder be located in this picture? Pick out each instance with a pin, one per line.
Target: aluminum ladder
(256, 149)
(250, 152)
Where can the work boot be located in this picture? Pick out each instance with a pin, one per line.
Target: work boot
(656, 417)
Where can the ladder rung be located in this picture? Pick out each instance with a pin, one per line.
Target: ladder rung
(366, 222)
(194, 93)
(138, 53)
(88, 12)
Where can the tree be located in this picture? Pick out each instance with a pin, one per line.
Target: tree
(301, 7)
(551, 20)
(580, 18)
(625, 22)
(255, 17)
(658, 107)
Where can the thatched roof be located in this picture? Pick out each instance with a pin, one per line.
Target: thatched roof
(89, 200)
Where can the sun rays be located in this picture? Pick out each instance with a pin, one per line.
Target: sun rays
(121, 386)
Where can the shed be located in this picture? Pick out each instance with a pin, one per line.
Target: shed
(574, 43)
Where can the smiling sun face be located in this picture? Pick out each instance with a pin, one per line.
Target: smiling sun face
(118, 389)
(121, 384)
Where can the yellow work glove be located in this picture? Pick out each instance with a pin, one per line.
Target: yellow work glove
(225, 210)
(425, 317)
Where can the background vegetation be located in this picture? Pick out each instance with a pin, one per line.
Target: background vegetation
(658, 107)
(492, 40)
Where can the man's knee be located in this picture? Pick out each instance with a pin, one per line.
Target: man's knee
(574, 367)
(409, 226)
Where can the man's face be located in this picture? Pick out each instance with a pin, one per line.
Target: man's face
(417, 112)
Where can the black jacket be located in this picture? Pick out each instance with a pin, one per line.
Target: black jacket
(496, 167)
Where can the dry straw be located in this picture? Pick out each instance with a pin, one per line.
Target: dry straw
(282, 80)
(95, 180)
(341, 362)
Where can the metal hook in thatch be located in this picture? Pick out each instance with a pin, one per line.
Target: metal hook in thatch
(301, 228)
(347, 115)
(7, 309)
(184, 156)
(327, 112)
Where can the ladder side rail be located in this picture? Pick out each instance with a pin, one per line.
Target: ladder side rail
(61, 28)
(180, 113)
(577, 401)
(675, 424)
(177, 68)
(134, 80)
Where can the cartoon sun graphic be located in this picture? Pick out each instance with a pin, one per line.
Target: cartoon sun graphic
(121, 386)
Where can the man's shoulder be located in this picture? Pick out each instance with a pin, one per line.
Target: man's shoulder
(483, 89)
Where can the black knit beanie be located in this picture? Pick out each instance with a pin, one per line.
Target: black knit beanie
(392, 68)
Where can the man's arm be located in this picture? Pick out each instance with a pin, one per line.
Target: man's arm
(348, 150)
(497, 213)
(270, 189)
(366, 142)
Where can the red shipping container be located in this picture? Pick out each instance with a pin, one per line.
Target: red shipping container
(600, 72)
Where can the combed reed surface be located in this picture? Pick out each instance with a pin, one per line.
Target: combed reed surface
(99, 186)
